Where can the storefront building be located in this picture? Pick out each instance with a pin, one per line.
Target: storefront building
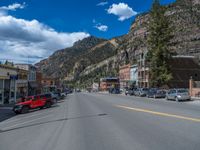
(22, 83)
(124, 76)
(109, 82)
(39, 82)
(49, 85)
(143, 70)
(32, 83)
(8, 77)
(134, 75)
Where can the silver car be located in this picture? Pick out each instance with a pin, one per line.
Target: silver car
(178, 95)
(142, 92)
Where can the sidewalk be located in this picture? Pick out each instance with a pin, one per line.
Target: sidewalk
(103, 92)
(195, 98)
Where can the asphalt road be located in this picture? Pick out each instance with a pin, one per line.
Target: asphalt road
(105, 122)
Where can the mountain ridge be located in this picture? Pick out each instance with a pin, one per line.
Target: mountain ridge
(103, 57)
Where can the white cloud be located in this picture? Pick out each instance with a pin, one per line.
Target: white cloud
(102, 28)
(122, 10)
(102, 3)
(13, 7)
(20, 39)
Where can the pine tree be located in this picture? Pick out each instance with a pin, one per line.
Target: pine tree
(6, 62)
(158, 41)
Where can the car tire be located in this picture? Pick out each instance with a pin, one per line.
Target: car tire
(55, 101)
(41, 107)
(176, 99)
(16, 112)
(48, 104)
(24, 110)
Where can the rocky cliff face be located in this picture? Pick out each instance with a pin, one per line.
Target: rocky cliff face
(70, 62)
(61, 63)
(93, 57)
(184, 16)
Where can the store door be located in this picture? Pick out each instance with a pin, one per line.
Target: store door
(1, 91)
(6, 91)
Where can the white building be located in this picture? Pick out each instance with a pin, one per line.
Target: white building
(95, 86)
(134, 74)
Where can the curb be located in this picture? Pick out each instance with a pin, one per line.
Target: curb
(195, 98)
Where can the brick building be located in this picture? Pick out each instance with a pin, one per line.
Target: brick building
(182, 69)
(50, 84)
(109, 82)
(124, 75)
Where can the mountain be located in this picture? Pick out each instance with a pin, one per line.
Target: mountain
(184, 16)
(92, 58)
(70, 62)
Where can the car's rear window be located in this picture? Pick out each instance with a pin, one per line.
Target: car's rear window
(182, 91)
(161, 91)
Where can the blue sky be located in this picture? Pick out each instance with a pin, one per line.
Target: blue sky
(64, 21)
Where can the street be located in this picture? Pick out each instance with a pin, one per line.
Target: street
(89, 121)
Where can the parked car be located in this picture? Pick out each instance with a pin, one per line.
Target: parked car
(129, 92)
(49, 95)
(142, 92)
(122, 90)
(178, 95)
(33, 102)
(63, 95)
(68, 91)
(156, 93)
(55, 96)
(114, 91)
(58, 95)
(137, 92)
(78, 90)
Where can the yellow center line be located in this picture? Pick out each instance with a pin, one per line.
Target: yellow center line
(159, 113)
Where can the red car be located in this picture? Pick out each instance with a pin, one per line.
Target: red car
(33, 102)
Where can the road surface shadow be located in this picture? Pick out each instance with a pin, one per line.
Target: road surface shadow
(6, 113)
(53, 121)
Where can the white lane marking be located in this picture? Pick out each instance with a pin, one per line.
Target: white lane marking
(19, 124)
